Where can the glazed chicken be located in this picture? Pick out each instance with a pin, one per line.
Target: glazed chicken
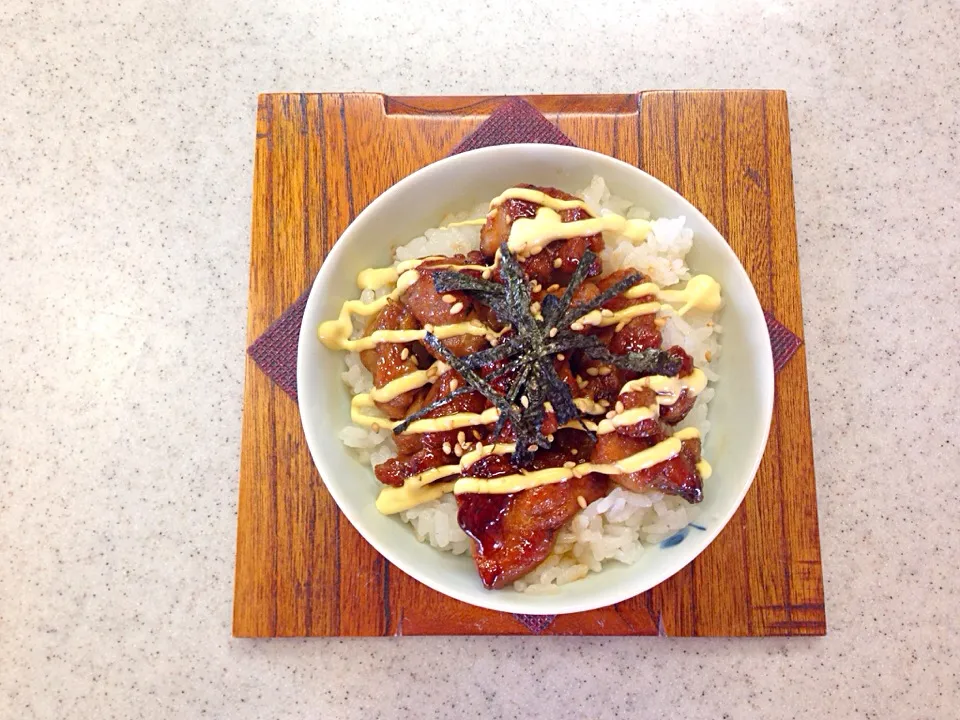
(512, 533)
(559, 259)
(389, 361)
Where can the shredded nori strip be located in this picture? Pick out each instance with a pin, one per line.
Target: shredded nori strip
(441, 401)
(619, 287)
(652, 361)
(478, 383)
(451, 281)
(531, 350)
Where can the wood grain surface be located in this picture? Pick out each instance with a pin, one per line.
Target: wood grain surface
(301, 567)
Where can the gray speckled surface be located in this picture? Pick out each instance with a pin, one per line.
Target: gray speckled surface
(125, 174)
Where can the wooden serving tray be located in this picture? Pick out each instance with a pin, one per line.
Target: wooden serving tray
(301, 567)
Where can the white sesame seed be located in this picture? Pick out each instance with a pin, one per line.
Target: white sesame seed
(619, 406)
(550, 438)
(604, 403)
(413, 359)
(456, 308)
(447, 449)
(454, 384)
(553, 287)
(458, 451)
(576, 326)
(405, 353)
(604, 371)
(707, 355)
(574, 451)
(525, 401)
(610, 415)
(581, 501)
(569, 464)
(561, 357)
(448, 299)
(375, 427)
(476, 434)
(592, 371)
(486, 274)
(532, 448)
(553, 332)
(557, 263)
(462, 437)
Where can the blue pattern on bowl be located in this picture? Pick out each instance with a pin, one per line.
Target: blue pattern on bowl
(679, 536)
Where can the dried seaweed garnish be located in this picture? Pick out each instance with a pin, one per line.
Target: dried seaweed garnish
(492, 354)
(478, 383)
(427, 409)
(443, 400)
(652, 361)
(619, 287)
(452, 280)
(531, 349)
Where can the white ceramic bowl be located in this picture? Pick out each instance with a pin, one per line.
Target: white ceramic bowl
(740, 413)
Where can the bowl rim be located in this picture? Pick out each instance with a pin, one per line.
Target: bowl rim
(497, 600)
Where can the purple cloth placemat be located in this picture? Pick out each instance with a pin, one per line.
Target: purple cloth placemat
(515, 121)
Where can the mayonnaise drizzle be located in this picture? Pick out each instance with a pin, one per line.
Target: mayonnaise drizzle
(529, 236)
(408, 382)
(702, 292)
(667, 391)
(537, 197)
(424, 425)
(643, 460)
(416, 489)
(444, 422)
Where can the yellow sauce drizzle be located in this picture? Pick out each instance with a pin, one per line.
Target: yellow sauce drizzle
(482, 451)
(425, 425)
(668, 388)
(628, 417)
(445, 422)
(661, 452)
(333, 338)
(528, 236)
(462, 223)
(537, 197)
(417, 379)
(597, 318)
(417, 489)
(335, 334)
(668, 391)
(393, 500)
(702, 292)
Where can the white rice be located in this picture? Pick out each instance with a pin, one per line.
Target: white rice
(621, 525)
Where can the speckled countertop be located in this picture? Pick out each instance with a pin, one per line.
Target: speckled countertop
(125, 174)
